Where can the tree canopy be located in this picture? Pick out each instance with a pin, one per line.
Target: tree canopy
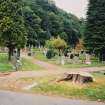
(44, 15)
(12, 30)
(95, 28)
(57, 43)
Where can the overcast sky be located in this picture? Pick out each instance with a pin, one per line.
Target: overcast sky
(77, 7)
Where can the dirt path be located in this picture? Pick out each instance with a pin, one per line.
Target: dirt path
(52, 67)
(55, 68)
(49, 69)
(9, 81)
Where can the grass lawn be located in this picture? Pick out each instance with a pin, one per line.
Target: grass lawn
(42, 57)
(5, 66)
(28, 65)
(82, 65)
(91, 91)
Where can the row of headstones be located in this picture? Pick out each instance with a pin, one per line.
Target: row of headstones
(84, 58)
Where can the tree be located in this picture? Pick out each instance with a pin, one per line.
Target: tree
(64, 36)
(52, 24)
(82, 27)
(80, 45)
(12, 30)
(57, 43)
(32, 23)
(95, 28)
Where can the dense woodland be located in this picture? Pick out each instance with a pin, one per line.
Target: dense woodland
(44, 20)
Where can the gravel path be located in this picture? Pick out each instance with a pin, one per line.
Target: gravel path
(12, 98)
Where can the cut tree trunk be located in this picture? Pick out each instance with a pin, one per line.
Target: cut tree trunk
(81, 77)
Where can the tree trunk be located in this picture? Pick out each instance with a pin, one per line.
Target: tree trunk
(18, 53)
(10, 53)
(77, 77)
(102, 55)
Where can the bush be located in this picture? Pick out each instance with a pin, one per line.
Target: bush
(50, 54)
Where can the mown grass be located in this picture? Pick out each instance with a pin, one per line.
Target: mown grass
(40, 56)
(92, 91)
(6, 66)
(28, 65)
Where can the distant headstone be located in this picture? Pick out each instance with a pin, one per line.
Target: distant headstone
(87, 61)
(62, 60)
(75, 60)
(13, 60)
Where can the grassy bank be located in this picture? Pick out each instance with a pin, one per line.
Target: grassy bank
(92, 91)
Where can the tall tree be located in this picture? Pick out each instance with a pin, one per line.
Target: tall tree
(12, 30)
(95, 28)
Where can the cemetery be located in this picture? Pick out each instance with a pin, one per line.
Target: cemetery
(52, 53)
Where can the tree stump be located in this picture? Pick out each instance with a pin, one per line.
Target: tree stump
(4, 74)
(80, 77)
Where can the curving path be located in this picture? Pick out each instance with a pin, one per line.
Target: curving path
(48, 69)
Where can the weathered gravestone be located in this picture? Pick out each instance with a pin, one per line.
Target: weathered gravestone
(87, 61)
(62, 60)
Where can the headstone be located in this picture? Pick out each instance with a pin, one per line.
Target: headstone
(87, 61)
(62, 60)
(75, 60)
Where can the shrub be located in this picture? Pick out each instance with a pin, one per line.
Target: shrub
(50, 54)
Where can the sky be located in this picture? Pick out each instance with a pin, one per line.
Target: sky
(77, 7)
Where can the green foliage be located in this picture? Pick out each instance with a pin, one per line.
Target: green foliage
(4, 64)
(49, 43)
(50, 54)
(12, 30)
(57, 43)
(50, 22)
(82, 28)
(95, 28)
(64, 36)
(11, 22)
(39, 20)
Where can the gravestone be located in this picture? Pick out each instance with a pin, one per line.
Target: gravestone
(87, 61)
(75, 60)
(62, 60)
(14, 61)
